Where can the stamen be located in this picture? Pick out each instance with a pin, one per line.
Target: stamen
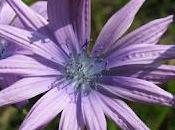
(85, 44)
(84, 71)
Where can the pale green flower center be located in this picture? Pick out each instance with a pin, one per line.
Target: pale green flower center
(84, 70)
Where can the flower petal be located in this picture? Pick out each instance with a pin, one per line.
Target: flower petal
(20, 64)
(8, 79)
(24, 89)
(33, 41)
(117, 26)
(28, 16)
(94, 117)
(67, 39)
(137, 90)
(147, 34)
(47, 108)
(156, 73)
(141, 54)
(121, 113)
(81, 14)
(4, 8)
(69, 118)
(60, 23)
(41, 8)
(12, 19)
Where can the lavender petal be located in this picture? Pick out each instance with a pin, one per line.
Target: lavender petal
(33, 41)
(141, 54)
(47, 108)
(69, 118)
(147, 34)
(117, 25)
(94, 117)
(121, 113)
(23, 65)
(29, 17)
(61, 25)
(137, 90)
(7, 80)
(4, 8)
(81, 13)
(156, 73)
(39, 7)
(24, 89)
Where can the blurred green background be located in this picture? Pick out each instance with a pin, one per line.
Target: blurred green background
(156, 117)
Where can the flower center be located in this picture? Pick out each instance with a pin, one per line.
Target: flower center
(3, 46)
(84, 71)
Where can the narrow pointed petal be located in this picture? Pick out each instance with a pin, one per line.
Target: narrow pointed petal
(8, 79)
(41, 8)
(78, 14)
(117, 25)
(33, 41)
(46, 109)
(94, 117)
(69, 118)
(156, 73)
(23, 65)
(60, 23)
(137, 90)
(4, 8)
(81, 14)
(141, 54)
(67, 39)
(147, 34)
(24, 89)
(121, 113)
(29, 17)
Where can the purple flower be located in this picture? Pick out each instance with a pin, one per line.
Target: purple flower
(9, 48)
(85, 86)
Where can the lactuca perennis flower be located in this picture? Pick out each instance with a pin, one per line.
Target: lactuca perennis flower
(9, 17)
(8, 48)
(86, 86)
